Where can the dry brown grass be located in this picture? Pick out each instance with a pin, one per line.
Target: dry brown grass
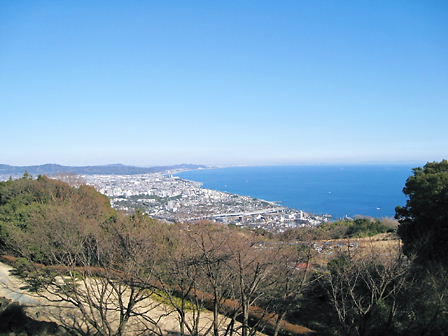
(384, 244)
(228, 306)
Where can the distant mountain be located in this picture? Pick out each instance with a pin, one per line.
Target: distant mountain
(112, 169)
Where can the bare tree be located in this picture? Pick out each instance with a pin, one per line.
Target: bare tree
(102, 274)
(223, 270)
(212, 244)
(178, 279)
(358, 284)
(253, 266)
(195, 277)
(292, 274)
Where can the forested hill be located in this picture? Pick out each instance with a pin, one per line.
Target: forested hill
(112, 169)
(69, 242)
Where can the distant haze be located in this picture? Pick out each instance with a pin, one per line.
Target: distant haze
(112, 169)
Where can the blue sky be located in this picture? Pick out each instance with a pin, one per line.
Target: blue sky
(223, 82)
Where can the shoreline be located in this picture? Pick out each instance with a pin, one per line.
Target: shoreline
(175, 199)
(337, 190)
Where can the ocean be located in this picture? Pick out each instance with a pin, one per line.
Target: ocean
(370, 190)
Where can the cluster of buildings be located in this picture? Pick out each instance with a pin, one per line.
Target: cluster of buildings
(170, 198)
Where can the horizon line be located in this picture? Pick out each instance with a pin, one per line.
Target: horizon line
(228, 165)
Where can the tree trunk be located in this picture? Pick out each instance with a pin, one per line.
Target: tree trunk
(245, 327)
(278, 323)
(215, 317)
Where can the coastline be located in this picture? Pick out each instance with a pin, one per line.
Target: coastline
(174, 199)
(337, 190)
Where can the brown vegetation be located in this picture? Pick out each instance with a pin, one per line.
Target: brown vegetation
(122, 274)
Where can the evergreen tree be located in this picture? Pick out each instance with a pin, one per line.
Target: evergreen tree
(424, 220)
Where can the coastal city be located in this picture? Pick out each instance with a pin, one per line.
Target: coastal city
(168, 197)
(165, 196)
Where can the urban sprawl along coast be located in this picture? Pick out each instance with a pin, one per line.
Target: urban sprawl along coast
(171, 198)
(164, 196)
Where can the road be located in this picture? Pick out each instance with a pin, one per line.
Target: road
(13, 288)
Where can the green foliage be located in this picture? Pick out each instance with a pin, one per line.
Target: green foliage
(27, 205)
(51, 222)
(23, 267)
(36, 278)
(173, 299)
(424, 220)
(364, 227)
(348, 228)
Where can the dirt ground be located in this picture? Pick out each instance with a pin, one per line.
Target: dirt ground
(37, 307)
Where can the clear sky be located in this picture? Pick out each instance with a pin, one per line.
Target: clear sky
(223, 82)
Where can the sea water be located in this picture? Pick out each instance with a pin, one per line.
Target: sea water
(370, 190)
